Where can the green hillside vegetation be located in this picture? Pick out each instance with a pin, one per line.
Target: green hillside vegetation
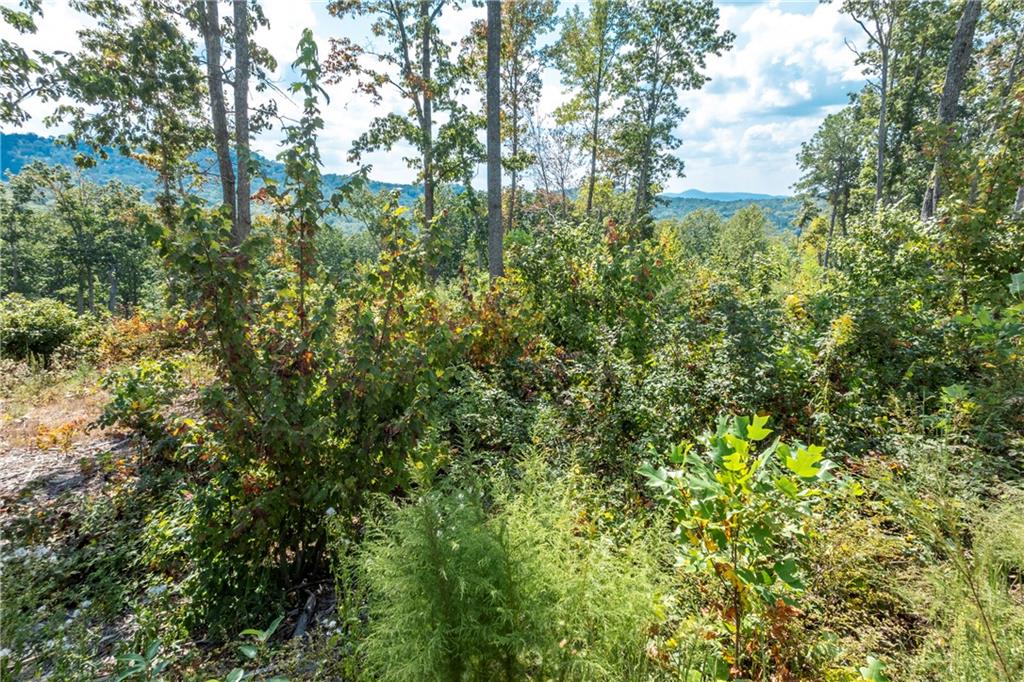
(530, 434)
(18, 150)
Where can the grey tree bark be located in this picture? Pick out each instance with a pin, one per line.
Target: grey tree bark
(243, 218)
(956, 71)
(218, 112)
(427, 120)
(112, 297)
(495, 254)
(880, 159)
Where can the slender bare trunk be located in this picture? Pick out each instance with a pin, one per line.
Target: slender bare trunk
(593, 155)
(1018, 206)
(92, 293)
(427, 122)
(831, 232)
(243, 218)
(514, 173)
(956, 71)
(218, 112)
(80, 295)
(880, 160)
(112, 297)
(495, 256)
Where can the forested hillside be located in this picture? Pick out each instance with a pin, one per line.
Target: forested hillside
(550, 430)
(19, 150)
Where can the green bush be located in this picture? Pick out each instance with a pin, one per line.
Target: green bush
(533, 589)
(36, 327)
(141, 396)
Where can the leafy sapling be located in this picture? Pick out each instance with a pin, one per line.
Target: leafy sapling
(742, 516)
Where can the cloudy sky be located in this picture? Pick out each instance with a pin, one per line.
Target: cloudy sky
(788, 69)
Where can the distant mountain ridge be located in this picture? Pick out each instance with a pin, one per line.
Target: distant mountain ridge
(721, 196)
(20, 149)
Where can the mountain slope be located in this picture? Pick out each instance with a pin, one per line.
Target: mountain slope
(17, 150)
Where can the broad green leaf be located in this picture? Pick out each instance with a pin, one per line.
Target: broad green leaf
(787, 486)
(756, 431)
(787, 572)
(737, 461)
(152, 650)
(874, 671)
(268, 633)
(805, 462)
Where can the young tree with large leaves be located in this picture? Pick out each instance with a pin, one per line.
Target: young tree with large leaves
(669, 41)
(589, 57)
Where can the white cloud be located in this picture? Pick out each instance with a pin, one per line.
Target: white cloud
(789, 67)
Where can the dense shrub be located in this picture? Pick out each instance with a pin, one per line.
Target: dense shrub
(534, 588)
(141, 399)
(34, 327)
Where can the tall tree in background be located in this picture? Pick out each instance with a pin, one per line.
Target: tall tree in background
(137, 85)
(558, 158)
(211, 29)
(878, 19)
(523, 22)
(145, 103)
(235, 183)
(669, 41)
(97, 235)
(956, 72)
(830, 163)
(589, 57)
(243, 223)
(921, 49)
(495, 262)
(417, 65)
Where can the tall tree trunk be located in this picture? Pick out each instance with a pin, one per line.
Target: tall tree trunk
(1018, 205)
(515, 150)
(593, 154)
(112, 296)
(92, 292)
(594, 128)
(427, 122)
(243, 219)
(218, 112)
(495, 256)
(831, 232)
(80, 294)
(956, 71)
(880, 160)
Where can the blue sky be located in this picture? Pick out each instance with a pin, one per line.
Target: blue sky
(788, 69)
